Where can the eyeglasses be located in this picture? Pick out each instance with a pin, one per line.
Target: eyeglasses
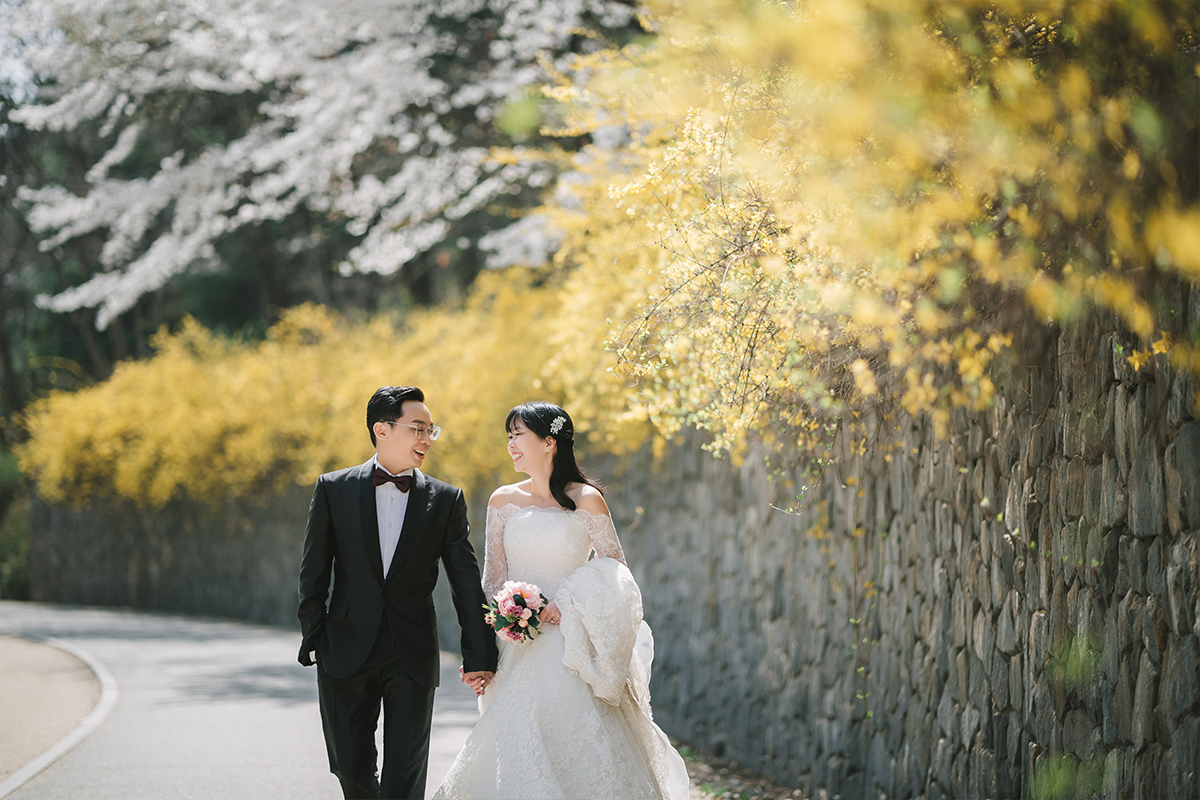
(421, 430)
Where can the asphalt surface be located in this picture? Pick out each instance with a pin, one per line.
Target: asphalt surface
(205, 709)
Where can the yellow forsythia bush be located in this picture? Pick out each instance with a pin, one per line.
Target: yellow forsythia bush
(865, 202)
(210, 419)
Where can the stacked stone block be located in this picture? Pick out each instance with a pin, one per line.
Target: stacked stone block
(240, 560)
(1037, 609)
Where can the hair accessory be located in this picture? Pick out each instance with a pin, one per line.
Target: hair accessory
(556, 425)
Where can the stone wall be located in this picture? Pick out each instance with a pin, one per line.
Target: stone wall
(241, 560)
(965, 617)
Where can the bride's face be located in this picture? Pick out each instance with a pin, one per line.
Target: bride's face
(527, 450)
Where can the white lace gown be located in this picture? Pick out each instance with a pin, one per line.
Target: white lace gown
(568, 713)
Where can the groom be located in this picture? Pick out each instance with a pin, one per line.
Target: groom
(378, 531)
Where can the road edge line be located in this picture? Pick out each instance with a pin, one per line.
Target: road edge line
(109, 693)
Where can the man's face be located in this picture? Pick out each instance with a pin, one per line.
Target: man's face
(398, 444)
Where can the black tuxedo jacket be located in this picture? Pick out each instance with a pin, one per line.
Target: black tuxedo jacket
(342, 542)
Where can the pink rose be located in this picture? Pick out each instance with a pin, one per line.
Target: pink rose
(526, 590)
(523, 623)
(526, 613)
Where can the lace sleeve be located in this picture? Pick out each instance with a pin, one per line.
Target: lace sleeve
(603, 536)
(495, 563)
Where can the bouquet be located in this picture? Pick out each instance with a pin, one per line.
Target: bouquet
(513, 612)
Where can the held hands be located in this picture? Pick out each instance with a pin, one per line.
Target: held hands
(478, 681)
(550, 614)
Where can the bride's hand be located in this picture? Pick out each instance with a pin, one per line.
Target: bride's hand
(550, 614)
(478, 681)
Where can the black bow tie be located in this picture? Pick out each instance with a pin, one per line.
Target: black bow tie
(403, 482)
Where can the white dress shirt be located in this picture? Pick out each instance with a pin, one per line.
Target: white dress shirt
(390, 505)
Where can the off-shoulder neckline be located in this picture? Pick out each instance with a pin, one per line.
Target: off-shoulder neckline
(517, 507)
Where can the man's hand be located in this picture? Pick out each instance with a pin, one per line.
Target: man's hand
(478, 681)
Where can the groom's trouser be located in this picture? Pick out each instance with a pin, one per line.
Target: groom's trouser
(350, 711)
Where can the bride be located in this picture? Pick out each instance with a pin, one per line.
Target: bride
(568, 712)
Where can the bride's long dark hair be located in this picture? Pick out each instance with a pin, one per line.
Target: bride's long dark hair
(541, 419)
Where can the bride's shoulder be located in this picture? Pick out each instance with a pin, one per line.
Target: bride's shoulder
(512, 493)
(589, 498)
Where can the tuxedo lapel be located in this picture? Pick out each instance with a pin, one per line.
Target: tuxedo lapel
(418, 496)
(370, 518)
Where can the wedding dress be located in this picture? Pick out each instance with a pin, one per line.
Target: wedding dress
(568, 713)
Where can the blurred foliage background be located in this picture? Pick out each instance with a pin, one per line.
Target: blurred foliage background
(761, 219)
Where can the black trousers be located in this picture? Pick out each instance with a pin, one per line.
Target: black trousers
(350, 713)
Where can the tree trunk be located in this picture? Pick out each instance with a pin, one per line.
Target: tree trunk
(12, 392)
(116, 336)
(85, 323)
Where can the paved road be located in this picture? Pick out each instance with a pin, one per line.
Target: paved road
(207, 709)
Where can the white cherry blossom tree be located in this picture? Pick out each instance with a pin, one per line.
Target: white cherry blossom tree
(374, 114)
